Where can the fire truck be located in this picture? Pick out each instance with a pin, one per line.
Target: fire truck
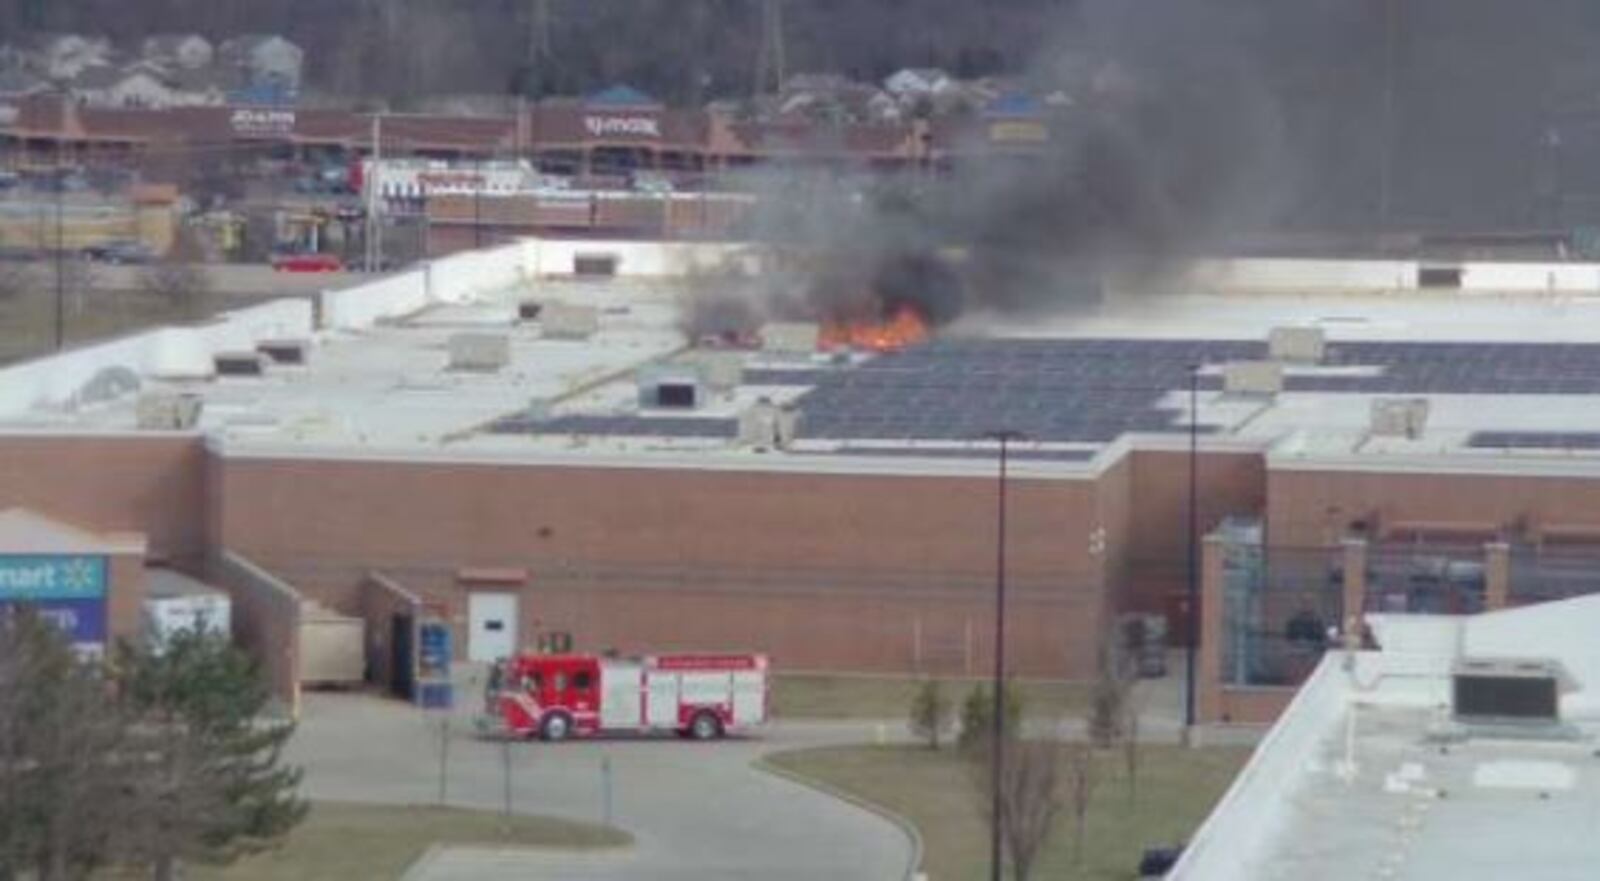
(703, 696)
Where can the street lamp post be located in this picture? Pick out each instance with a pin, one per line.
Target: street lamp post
(997, 734)
(1191, 624)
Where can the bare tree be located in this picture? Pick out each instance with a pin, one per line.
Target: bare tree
(17, 279)
(1080, 790)
(1130, 747)
(183, 285)
(1029, 802)
(1113, 691)
(931, 713)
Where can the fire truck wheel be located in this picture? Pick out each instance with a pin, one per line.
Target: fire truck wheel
(556, 726)
(705, 726)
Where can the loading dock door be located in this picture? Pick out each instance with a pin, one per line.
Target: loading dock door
(492, 626)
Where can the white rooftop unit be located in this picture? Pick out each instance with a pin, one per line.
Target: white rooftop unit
(790, 337)
(167, 411)
(671, 386)
(567, 321)
(1252, 378)
(1296, 345)
(483, 352)
(1399, 417)
(722, 371)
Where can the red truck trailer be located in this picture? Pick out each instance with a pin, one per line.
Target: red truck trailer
(704, 696)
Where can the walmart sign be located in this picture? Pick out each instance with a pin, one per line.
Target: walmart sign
(68, 590)
(39, 577)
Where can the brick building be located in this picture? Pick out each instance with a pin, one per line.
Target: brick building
(454, 442)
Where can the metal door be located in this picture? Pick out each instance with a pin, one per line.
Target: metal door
(662, 699)
(402, 656)
(749, 697)
(492, 626)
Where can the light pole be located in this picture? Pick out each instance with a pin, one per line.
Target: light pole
(1191, 623)
(997, 734)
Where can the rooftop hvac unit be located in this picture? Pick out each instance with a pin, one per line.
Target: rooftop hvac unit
(758, 425)
(1506, 690)
(1399, 417)
(565, 321)
(239, 363)
(595, 264)
(482, 352)
(790, 337)
(284, 351)
(166, 411)
(1263, 378)
(788, 425)
(670, 386)
(1296, 345)
(722, 371)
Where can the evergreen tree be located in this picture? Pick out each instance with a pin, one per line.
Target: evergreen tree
(215, 787)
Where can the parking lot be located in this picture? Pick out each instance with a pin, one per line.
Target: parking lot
(696, 810)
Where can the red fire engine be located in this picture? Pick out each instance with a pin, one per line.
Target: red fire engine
(703, 696)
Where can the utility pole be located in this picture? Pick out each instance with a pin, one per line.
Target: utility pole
(60, 193)
(997, 735)
(374, 225)
(771, 66)
(1386, 161)
(535, 83)
(1192, 624)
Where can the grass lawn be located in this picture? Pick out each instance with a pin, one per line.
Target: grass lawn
(353, 842)
(937, 793)
(807, 696)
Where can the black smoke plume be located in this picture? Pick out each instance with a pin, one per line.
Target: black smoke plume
(1162, 141)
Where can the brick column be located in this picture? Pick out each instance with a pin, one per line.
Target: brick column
(1355, 589)
(1497, 575)
(1213, 589)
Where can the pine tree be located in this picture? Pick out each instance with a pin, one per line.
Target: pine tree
(215, 787)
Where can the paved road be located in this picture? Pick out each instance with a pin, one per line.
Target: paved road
(697, 811)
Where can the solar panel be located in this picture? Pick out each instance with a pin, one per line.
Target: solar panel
(1535, 440)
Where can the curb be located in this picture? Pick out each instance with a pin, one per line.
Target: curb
(913, 869)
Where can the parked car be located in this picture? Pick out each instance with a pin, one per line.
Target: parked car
(120, 252)
(290, 262)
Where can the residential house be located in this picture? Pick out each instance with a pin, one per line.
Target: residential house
(16, 83)
(265, 64)
(178, 51)
(63, 57)
(915, 82)
(106, 86)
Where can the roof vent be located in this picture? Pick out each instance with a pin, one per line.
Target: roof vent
(481, 352)
(597, 264)
(165, 411)
(790, 337)
(1296, 345)
(722, 370)
(670, 386)
(239, 363)
(284, 351)
(1257, 378)
(528, 310)
(1399, 417)
(565, 321)
(1498, 691)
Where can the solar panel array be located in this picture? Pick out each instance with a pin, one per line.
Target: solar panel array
(1095, 390)
(621, 426)
(1535, 440)
(984, 453)
(1089, 391)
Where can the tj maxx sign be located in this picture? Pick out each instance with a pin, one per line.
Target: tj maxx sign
(622, 126)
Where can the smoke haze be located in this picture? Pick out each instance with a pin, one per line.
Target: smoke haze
(1168, 144)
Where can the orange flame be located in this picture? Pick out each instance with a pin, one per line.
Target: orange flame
(905, 328)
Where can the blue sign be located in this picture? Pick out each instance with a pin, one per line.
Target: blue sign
(30, 577)
(83, 621)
